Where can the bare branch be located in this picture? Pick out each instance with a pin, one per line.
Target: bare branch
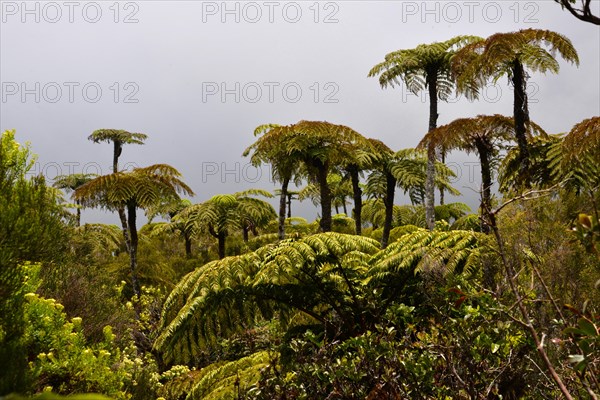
(583, 14)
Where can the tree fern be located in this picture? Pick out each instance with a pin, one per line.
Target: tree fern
(223, 213)
(545, 157)
(428, 66)
(325, 276)
(96, 239)
(510, 54)
(483, 135)
(140, 188)
(569, 160)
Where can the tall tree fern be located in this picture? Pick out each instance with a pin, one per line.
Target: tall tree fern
(510, 54)
(427, 66)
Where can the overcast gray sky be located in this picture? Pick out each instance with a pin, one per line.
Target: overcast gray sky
(199, 76)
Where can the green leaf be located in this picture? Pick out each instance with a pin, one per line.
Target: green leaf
(587, 327)
(572, 330)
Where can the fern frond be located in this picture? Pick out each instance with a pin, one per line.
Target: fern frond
(423, 250)
(222, 381)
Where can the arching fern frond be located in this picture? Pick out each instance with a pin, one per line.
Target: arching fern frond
(223, 381)
(324, 276)
(423, 250)
(207, 303)
(223, 297)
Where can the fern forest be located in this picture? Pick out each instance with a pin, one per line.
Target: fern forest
(392, 286)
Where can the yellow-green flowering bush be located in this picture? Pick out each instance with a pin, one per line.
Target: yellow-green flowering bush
(61, 360)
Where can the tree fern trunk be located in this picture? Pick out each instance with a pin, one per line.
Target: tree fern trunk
(486, 184)
(289, 206)
(117, 149)
(221, 238)
(125, 228)
(282, 201)
(390, 191)
(325, 192)
(78, 220)
(188, 246)
(443, 160)
(357, 195)
(430, 179)
(131, 211)
(521, 116)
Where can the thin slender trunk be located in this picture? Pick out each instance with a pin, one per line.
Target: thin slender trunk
(357, 194)
(118, 148)
(245, 234)
(282, 200)
(486, 182)
(123, 219)
(390, 191)
(521, 116)
(337, 209)
(289, 206)
(430, 179)
(133, 246)
(322, 171)
(344, 206)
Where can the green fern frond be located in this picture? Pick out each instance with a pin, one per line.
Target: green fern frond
(224, 381)
(117, 135)
(423, 250)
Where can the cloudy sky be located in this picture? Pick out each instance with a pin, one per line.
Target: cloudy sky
(199, 76)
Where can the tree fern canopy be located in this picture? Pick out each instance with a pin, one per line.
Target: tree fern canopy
(583, 139)
(311, 148)
(580, 152)
(325, 276)
(73, 181)
(413, 66)
(421, 251)
(408, 167)
(319, 141)
(569, 160)
(143, 186)
(545, 157)
(117, 135)
(100, 237)
(494, 57)
(224, 213)
(305, 141)
(463, 133)
(424, 67)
